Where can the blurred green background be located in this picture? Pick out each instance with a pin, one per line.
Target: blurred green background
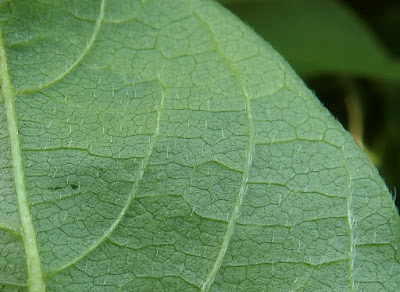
(348, 53)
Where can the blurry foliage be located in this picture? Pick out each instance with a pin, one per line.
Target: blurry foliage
(349, 54)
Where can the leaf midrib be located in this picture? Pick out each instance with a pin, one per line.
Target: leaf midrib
(34, 266)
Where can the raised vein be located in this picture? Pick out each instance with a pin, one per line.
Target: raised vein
(34, 266)
(88, 47)
(351, 223)
(238, 204)
(243, 184)
(133, 193)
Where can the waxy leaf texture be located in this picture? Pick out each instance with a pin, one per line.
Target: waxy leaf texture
(163, 146)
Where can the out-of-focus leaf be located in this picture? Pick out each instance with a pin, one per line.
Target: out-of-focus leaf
(319, 36)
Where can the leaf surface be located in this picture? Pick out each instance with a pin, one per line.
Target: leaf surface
(163, 146)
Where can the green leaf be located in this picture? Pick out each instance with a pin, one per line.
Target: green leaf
(163, 146)
(320, 36)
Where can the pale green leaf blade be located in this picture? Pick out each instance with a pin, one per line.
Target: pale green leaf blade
(166, 147)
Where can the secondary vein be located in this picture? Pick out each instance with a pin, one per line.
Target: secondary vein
(239, 201)
(132, 195)
(34, 266)
(243, 184)
(88, 47)
(351, 223)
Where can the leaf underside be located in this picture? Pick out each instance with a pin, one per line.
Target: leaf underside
(166, 147)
